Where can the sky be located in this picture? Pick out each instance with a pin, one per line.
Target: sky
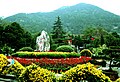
(11, 7)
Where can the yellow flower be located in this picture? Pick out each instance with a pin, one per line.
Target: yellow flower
(85, 71)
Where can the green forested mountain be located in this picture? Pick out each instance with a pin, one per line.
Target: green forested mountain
(74, 19)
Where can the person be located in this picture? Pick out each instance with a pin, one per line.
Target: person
(11, 61)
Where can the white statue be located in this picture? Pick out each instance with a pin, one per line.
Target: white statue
(43, 42)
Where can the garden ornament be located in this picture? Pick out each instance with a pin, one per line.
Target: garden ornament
(43, 42)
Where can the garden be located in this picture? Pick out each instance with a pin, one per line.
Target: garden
(93, 56)
(61, 66)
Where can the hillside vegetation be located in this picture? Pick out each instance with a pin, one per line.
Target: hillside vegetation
(74, 19)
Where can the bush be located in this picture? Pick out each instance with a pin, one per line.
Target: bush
(26, 49)
(99, 50)
(33, 73)
(3, 62)
(6, 50)
(65, 48)
(84, 72)
(86, 52)
(15, 69)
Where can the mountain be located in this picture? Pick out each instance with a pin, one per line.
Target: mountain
(74, 19)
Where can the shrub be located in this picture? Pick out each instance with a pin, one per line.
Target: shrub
(26, 49)
(99, 50)
(6, 50)
(84, 72)
(33, 73)
(86, 52)
(3, 62)
(15, 69)
(65, 48)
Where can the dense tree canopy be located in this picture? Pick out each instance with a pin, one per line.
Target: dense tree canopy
(14, 36)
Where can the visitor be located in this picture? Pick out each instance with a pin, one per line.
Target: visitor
(11, 61)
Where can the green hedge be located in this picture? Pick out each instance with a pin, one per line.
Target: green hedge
(26, 49)
(46, 54)
(65, 48)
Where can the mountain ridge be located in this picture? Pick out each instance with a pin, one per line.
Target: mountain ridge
(74, 19)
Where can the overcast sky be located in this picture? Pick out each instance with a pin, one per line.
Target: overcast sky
(11, 7)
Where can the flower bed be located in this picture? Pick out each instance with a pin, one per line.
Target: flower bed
(56, 65)
(69, 61)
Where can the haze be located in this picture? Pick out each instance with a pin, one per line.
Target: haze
(11, 7)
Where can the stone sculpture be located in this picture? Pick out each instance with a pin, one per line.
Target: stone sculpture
(43, 42)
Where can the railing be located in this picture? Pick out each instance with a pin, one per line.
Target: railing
(7, 78)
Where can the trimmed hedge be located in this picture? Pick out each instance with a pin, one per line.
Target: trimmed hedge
(86, 52)
(65, 48)
(46, 54)
(26, 49)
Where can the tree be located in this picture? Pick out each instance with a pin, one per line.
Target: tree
(77, 41)
(1, 35)
(112, 39)
(58, 35)
(16, 37)
(97, 33)
(6, 50)
(115, 34)
(102, 40)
